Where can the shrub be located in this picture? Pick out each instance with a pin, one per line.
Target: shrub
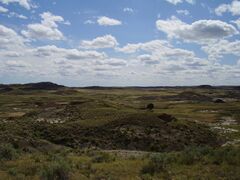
(227, 155)
(12, 172)
(190, 155)
(57, 170)
(150, 106)
(156, 164)
(7, 152)
(101, 157)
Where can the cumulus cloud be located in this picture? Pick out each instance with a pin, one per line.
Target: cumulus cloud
(116, 62)
(157, 50)
(11, 54)
(129, 48)
(233, 8)
(183, 12)
(175, 2)
(16, 64)
(201, 30)
(20, 16)
(107, 41)
(218, 49)
(184, 68)
(9, 39)
(24, 3)
(106, 21)
(147, 59)
(154, 60)
(3, 10)
(47, 29)
(237, 22)
(73, 54)
(108, 67)
(153, 46)
(76, 54)
(109, 64)
(150, 46)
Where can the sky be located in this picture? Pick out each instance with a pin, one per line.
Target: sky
(120, 42)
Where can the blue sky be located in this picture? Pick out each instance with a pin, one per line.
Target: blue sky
(120, 42)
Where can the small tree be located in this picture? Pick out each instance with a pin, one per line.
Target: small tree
(150, 106)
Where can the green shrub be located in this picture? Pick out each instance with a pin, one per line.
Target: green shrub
(7, 152)
(56, 170)
(150, 106)
(192, 155)
(156, 164)
(227, 155)
(101, 157)
(12, 172)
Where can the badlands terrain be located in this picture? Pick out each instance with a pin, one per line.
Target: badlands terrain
(48, 131)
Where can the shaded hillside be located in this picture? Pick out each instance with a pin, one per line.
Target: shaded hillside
(41, 86)
(189, 96)
(143, 132)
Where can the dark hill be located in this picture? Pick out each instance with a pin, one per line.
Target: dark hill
(42, 86)
(205, 87)
(136, 132)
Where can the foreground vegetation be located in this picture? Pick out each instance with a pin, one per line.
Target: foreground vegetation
(53, 132)
(191, 163)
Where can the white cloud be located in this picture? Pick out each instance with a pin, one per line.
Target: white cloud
(128, 10)
(73, 54)
(175, 2)
(183, 12)
(237, 22)
(13, 14)
(89, 22)
(24, 3)
(39, 31)
(216, 50)
(110, 63)
(76, 54)
(16, 64)
(47, 29)
(153, 62)
(182, 69)
(67, 23)
(106, 21)
(107, 41)
(11, 54)
(158, 51)
(148, 46)
(3, 10)
(129, 48)
(202, 30)
(233, 8)
(116, 62)
(48, 19)
(147, 59)
(9, 39)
